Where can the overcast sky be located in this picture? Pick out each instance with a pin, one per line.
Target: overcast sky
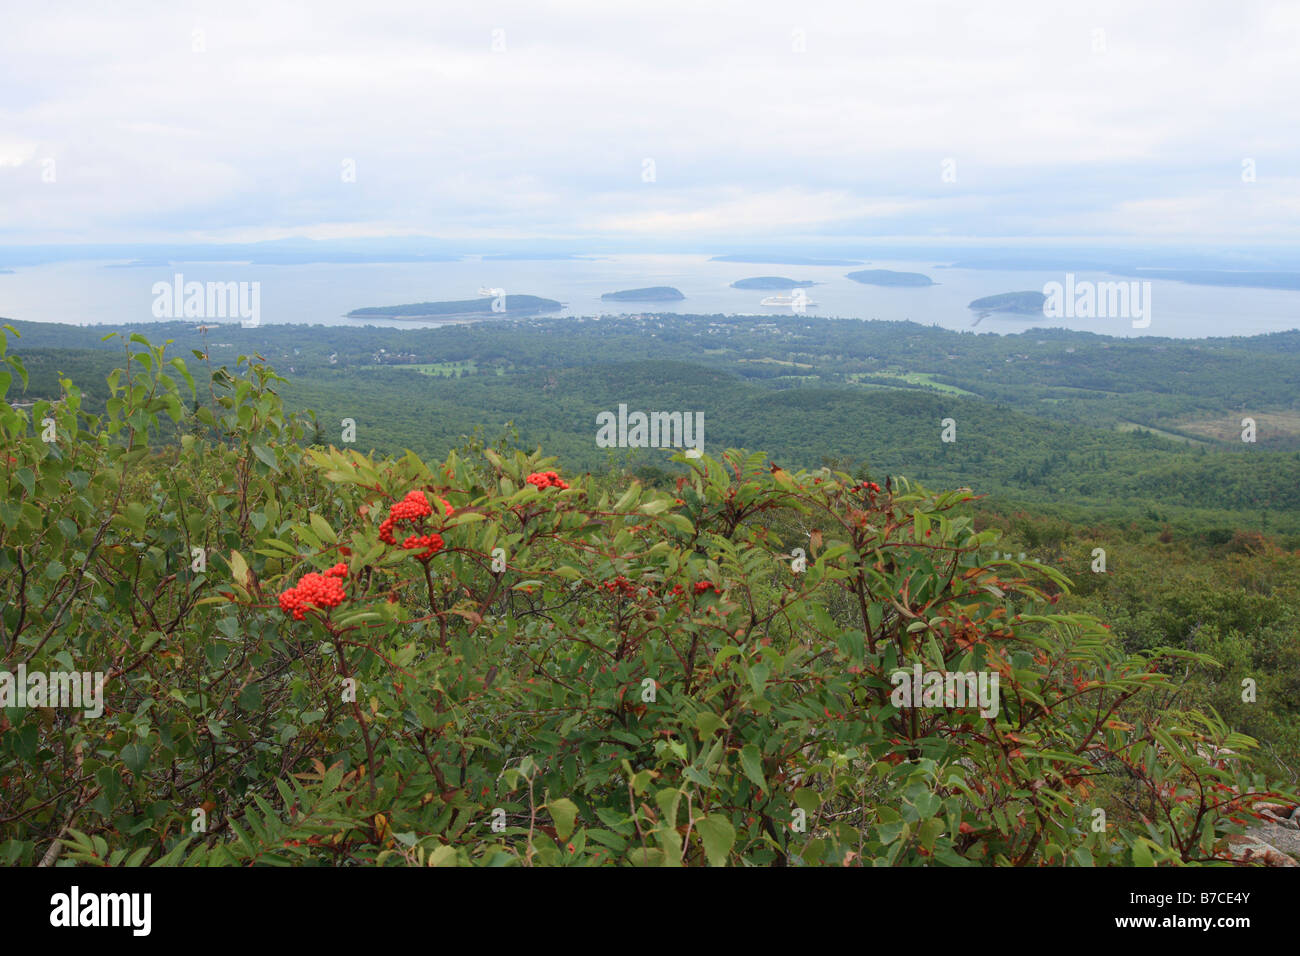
(234, 120)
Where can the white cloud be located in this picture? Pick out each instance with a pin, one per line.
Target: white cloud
(153, 138)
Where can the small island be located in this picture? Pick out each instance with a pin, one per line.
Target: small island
(771, 282)
(655, 293)
(1021, 303)
(889, 277)
(514, 305)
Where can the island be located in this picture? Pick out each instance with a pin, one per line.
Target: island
(779, 260)
(654, 293)
(771, 282)
(514, 305)
(889, 277)
(1021, 303)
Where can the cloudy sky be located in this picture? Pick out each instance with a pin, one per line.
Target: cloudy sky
(662, 121)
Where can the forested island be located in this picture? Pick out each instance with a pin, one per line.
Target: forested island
(514, 305)
(889, 277)
(771, 282)
(656, 293)
(1020, 303)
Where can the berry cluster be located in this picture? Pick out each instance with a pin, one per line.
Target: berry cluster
(875, 488)
(415, 508)
(318, 590)
(620, 583)
(703, 586)
(547, 479)
(432, 543)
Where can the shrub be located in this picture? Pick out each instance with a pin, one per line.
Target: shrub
(316, 656)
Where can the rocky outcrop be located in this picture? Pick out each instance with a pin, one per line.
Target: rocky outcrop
(1273, 842)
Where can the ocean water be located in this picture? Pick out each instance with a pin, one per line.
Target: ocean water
(103, 293)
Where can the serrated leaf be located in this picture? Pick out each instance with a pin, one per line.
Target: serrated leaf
(751, 761)
(717, 834)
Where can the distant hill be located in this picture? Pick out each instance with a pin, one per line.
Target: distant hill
(1021, 303)
(514, 305)
(782, 260)
(771, 282)
(889, 277)
(655, 293)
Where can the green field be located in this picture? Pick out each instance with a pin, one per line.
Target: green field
(1135, 427)
(915, 379)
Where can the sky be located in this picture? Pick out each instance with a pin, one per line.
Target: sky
(661, 122)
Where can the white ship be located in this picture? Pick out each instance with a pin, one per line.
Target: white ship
(786, 301)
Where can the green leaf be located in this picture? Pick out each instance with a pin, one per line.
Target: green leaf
(929, 832)
(707, 723)
(443, 856)
(679, 522)
(239, 570)
(892, 831)
(751, 761)
(266, 457)
(1142, 853)
(323, 530)
(136, 756)
(717, 835)
(563, 812)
